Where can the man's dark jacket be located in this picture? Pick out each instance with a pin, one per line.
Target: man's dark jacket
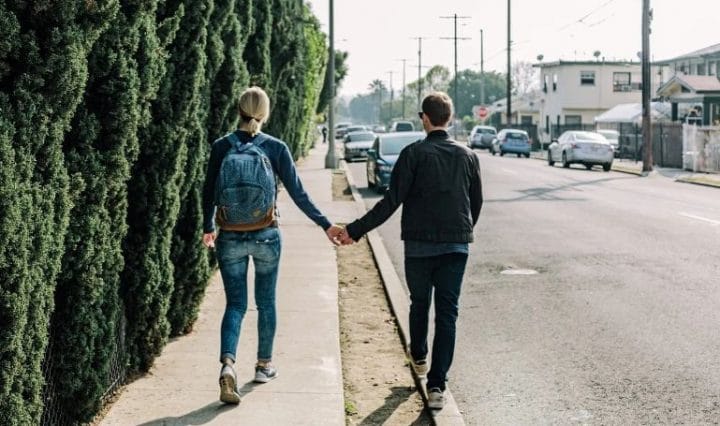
(438, 183)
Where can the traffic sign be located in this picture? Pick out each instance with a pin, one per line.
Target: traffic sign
(480, 111)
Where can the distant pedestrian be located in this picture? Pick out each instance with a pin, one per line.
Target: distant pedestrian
(249, 229)
(324, 133)
(438, 183)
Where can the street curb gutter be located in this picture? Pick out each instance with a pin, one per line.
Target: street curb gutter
(399, 303)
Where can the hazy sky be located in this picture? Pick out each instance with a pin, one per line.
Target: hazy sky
(377, 34)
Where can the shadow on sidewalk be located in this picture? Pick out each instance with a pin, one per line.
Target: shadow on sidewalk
(203, 415)
(398, 396)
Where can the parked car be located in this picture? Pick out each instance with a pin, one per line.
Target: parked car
(402, 126)
(482, 137)
(513, 141)
(384, 153)
(379, 128)
(586, 148)
(356, 144)
(613, 136)
(340, 129)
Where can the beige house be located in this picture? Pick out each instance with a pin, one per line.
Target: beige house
(573, 93)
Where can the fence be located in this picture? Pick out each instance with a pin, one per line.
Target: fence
(667, 140)
(53, 412)
(701, 147)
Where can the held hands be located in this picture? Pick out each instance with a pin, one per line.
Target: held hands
(338, 235)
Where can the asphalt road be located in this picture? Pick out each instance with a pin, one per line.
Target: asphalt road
(621, 323)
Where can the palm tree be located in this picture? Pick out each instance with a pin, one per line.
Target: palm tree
(377, 86)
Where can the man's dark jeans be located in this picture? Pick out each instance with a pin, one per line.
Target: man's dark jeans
(444, 274)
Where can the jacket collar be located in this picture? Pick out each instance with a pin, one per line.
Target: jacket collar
(438, 134)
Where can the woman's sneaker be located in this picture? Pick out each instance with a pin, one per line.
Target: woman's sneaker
(420, 366)
(436, 398)
(264, 373)
(228, 385)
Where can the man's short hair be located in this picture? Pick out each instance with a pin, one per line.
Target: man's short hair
(439, 108)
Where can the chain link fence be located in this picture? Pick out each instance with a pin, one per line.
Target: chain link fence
(54, 413)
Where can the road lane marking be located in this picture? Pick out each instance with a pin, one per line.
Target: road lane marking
(704, 219)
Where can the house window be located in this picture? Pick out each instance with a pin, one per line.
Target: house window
(573, 120)
(621, 82)
(526, 120)
(555, 82)
(587, 78)
(683, 68)
(712, 68)
(545, 83)
(700, 69)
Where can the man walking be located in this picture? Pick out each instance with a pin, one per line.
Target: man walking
(438, 183)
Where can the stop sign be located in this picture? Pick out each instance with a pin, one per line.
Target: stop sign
(480, 111)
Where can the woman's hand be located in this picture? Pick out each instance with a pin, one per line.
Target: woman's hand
(209, 240)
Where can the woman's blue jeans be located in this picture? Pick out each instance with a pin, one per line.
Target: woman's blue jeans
(444, 275)
(234, 250)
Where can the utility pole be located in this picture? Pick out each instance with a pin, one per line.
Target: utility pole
(419, 90)
(646, 86)
(403, 87)
(482, 69)
(509, 70)
(392, 93)
(455, 38)
(330, 160)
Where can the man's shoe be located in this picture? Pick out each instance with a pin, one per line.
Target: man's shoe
(420, 366)
(264, 373)
(436, 398)
(228, 386)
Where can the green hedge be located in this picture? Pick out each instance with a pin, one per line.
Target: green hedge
(107, 110)
(43, 70)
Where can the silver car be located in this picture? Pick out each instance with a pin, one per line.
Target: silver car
(482, 137)
(356, 144)
(578, 147)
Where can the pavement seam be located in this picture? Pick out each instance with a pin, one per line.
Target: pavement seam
(399, 303)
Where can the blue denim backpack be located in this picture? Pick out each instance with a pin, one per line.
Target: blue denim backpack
(246, 189)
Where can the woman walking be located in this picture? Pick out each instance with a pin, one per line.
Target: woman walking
(239, 195)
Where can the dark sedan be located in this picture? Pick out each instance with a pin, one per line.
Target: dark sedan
(383, 155)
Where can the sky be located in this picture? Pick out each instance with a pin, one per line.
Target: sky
(379, 34)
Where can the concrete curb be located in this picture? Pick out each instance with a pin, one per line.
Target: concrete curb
(399, 297)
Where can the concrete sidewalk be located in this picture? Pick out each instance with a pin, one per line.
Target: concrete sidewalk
(182, 386)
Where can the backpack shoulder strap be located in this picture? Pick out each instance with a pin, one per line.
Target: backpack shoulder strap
(260, 138)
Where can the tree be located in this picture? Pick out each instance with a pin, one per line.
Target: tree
(469, 87)
(341, 70)
(43, 73)
(166, 168)
(524, 78)
(378, 89)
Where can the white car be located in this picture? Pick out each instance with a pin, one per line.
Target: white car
(613, 136)
(578, 147)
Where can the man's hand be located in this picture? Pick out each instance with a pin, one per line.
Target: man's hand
(209, 240)
(333, 232)
(345, 238)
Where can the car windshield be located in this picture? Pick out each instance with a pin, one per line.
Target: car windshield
(590, 137)
(393, 146)
(611, 135)
(485, 131)
(516, 136)
(364, 136)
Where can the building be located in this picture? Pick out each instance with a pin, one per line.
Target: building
(694, 87)
(575, 92)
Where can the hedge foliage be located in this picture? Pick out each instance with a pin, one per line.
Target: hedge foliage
(107, 111)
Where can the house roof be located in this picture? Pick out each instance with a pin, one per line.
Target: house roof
(561, 62)
(710, 50)
(632, 113)
(693, 83)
